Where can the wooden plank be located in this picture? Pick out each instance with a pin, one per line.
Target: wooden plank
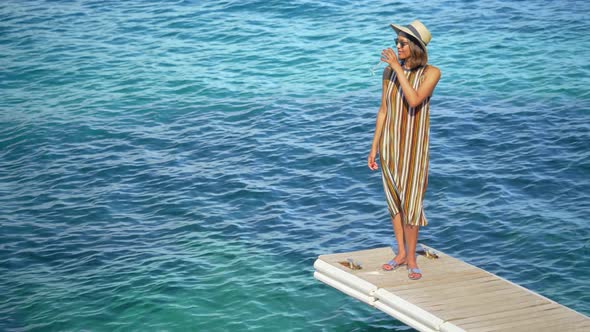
(530, 312)
(445, 294)
(513, 303)
(450, 313)
(459, 309)
(498, 292)
(505, 295)
(443, 289)
(476, 308)
(551, 322)
(399, 281)
(501, 318)
(444, 282)
(505, 316)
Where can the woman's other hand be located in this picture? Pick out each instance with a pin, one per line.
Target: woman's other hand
(371, 161)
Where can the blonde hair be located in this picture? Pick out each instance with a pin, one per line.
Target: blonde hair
(418, 56)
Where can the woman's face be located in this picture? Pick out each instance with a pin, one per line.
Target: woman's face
(403, 47)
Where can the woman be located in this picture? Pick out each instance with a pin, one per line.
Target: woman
(401, 135)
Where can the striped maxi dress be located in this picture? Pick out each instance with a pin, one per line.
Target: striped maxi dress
(404, 152)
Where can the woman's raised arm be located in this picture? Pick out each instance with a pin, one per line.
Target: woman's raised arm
(414, 97)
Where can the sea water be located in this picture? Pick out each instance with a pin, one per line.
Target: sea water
(179, 165)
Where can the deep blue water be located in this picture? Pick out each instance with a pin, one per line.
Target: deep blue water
(179, 165)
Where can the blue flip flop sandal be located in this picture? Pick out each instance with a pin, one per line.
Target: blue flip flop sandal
(392, 265)
(414, 271)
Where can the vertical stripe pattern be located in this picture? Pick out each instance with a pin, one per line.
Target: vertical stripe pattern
(404, 152)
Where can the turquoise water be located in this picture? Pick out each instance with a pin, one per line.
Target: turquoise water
(179, 165)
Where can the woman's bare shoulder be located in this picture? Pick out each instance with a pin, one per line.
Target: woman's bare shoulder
(431, 70)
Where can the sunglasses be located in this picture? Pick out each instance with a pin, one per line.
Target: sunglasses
(402, 43)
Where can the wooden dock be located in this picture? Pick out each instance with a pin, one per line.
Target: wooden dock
(451, 295)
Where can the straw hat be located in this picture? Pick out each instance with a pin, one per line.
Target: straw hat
(417, 30)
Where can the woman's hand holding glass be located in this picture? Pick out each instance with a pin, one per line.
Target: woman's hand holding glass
(388, 56)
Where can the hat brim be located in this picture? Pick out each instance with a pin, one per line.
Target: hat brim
(407, 31)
